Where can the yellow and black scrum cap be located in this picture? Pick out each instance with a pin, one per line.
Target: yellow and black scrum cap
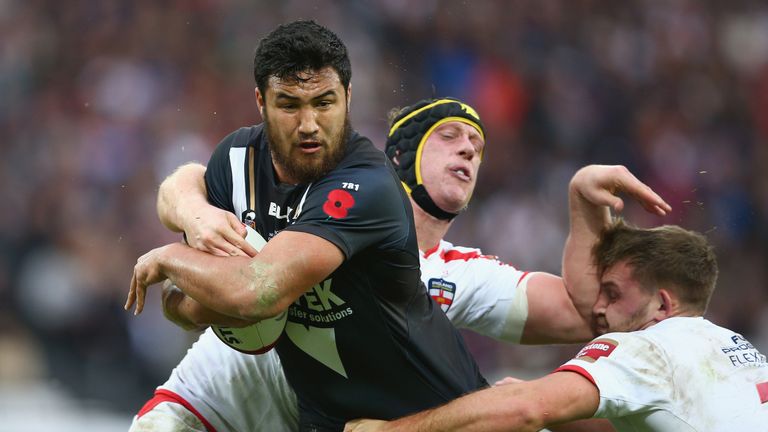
(406, 138)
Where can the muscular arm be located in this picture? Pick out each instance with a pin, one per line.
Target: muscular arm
(552, 315)
(560, 310)
(180, 194)
(527, 406)
(587, 220)
(251, 289)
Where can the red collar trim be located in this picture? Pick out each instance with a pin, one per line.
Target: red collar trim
(432, 250)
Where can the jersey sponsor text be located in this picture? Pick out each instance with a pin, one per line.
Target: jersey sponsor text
(743, 353)
(597, 349)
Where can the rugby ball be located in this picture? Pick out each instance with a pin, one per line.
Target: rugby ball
(256, 338)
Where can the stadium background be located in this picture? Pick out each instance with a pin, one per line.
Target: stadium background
(99, 100)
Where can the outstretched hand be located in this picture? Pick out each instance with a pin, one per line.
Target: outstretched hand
(146, 272)
(600, 184)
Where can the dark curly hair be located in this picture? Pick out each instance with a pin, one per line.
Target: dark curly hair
(298, 47)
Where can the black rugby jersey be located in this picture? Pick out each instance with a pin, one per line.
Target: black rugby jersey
(368, 341)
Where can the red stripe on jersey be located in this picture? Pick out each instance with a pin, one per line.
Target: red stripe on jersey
(453, 255)
(162, 395)
(431, 250)
(579, 370)
(762, 390)
(522, 277)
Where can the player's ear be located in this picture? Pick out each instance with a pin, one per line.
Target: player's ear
(667, 304)
(259, 101)
(349, 97)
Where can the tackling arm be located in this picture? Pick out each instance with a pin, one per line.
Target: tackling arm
(592, 192)
(182, 205)
(179, 194)
(527, 406)
(560, 310)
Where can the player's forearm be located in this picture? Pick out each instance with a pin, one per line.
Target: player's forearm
(587, 221)
(179, 192)
(238, 287)
(189, 314)
(175, 309)
(495, 409)
(524, 406)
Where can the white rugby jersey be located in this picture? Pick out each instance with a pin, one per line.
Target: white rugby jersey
(684, 374)
(476, 291)
(237, 392)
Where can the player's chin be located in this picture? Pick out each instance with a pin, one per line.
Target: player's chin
(456, 201)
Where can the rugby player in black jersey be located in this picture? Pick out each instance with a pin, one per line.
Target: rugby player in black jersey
(363, 338)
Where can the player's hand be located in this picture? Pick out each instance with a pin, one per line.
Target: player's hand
(218, 232)
(364, 425)
(600, 184)
(146, 272)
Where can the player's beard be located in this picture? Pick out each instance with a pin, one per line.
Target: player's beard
(333, 152)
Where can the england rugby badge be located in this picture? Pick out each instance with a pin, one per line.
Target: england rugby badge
(442, 292)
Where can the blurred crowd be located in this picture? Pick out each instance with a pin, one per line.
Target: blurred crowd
(101, 99)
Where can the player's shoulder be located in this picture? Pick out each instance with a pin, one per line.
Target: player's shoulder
(613, 339)
(449, 253)
(362, 159)
(236, 142)
(622, 346)
(244, 136)
(684, 336)
(681, 335)
(364, 169)
(362, 153)
(676, 329)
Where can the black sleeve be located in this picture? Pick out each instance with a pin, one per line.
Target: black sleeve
(218, 175)
(356, 208)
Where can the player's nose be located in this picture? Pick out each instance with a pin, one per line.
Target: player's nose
(598, 309)
(308, 122)
(465, 148)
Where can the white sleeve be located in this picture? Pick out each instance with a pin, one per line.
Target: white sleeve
(631, 372)
(490, 298)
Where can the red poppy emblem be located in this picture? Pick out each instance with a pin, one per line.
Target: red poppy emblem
(339, 201)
